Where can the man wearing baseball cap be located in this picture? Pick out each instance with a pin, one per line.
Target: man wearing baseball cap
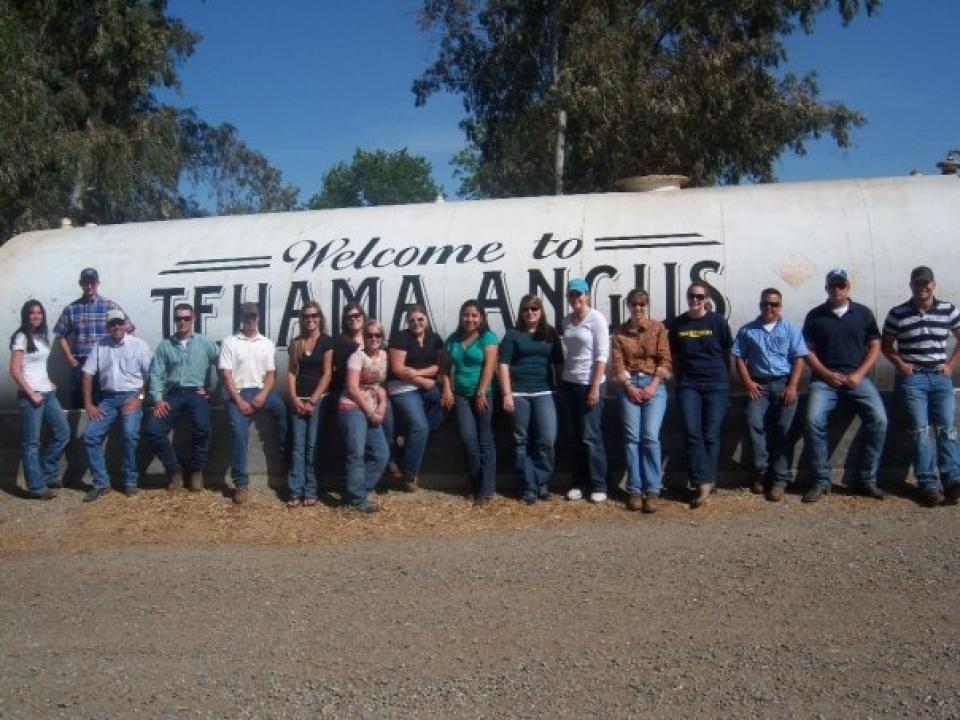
(249, 371)
(843, 341)
(81, 326)
(121, 363)
(915, 336)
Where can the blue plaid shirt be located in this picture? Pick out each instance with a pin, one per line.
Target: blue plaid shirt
(84, 323)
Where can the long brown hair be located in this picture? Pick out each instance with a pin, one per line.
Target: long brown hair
(296, 347)
(544, 331)
(28, 332)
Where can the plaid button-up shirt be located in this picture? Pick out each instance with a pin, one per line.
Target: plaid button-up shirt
(84, 322)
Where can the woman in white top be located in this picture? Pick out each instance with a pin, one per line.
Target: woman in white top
(36, 396)
(586, 346)
(361, 410)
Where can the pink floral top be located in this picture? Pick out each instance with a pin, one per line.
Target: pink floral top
(373, 373)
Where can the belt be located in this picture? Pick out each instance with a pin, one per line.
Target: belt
(928, 370)
(771, 378)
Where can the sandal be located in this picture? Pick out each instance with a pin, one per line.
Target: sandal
(310, 502)
(293, 503)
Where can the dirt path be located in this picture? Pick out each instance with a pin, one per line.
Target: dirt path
(189, 607)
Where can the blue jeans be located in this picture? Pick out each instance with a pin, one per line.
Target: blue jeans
(303, 481)
(479, 446)
(42, 469)
(821, 401)
(197, 408)
(590, 456)
(365, 455)
(641, 437)
(534, 437)
(703, 409)
(417, 413)
(240, 432)
(110, 405)
(930, 405)
(772, 451)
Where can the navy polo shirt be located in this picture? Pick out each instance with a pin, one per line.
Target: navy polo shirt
(840, 342)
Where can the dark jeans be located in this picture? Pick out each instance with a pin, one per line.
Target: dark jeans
(240, 432)
(187, 402)
(769, 423)
(479, 448)
(589, 454)
(76, 386)
(703, 408)
(534, 437)
(416, 414)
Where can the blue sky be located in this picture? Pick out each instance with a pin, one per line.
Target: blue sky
(308, 81)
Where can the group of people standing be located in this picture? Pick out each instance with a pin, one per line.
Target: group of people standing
(389, 396)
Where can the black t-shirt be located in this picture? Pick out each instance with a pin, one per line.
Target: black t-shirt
(342, 350)
(840, 342)
(418, 356)
(700, 347)
(311, 366)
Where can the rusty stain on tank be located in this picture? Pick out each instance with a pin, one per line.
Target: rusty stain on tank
(795, 270)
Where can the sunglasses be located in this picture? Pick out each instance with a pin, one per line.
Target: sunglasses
(373, 336)
(638, 304)
(354, 316)
(311, 316)
(115, 323)
(183, 318)
(769, 304)
(413, 320)
(574, 294)
(696, 296)
(529, 309)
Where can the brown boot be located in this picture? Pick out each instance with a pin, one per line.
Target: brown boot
(241, 495)
(776, 492)
(635, 502)
(650, 504)
(175, 481)
(196, 480)
(703, 495)
(409, 483)
(759, 485)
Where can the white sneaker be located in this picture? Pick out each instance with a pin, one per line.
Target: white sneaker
(574, 494)
(598, 497)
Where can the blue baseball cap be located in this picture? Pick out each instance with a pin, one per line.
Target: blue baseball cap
(837, 275)
(578, 285)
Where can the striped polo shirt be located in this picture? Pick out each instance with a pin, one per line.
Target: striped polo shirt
(922, 336)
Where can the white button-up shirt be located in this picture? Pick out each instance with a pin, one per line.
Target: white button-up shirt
(122, 366)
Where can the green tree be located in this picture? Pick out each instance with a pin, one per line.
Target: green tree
(82, 133)
(376, 178)
(604, 89)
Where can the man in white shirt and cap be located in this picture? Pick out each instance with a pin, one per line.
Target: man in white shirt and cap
(121, 363)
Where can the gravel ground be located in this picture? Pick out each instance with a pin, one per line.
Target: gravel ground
(843, 609)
